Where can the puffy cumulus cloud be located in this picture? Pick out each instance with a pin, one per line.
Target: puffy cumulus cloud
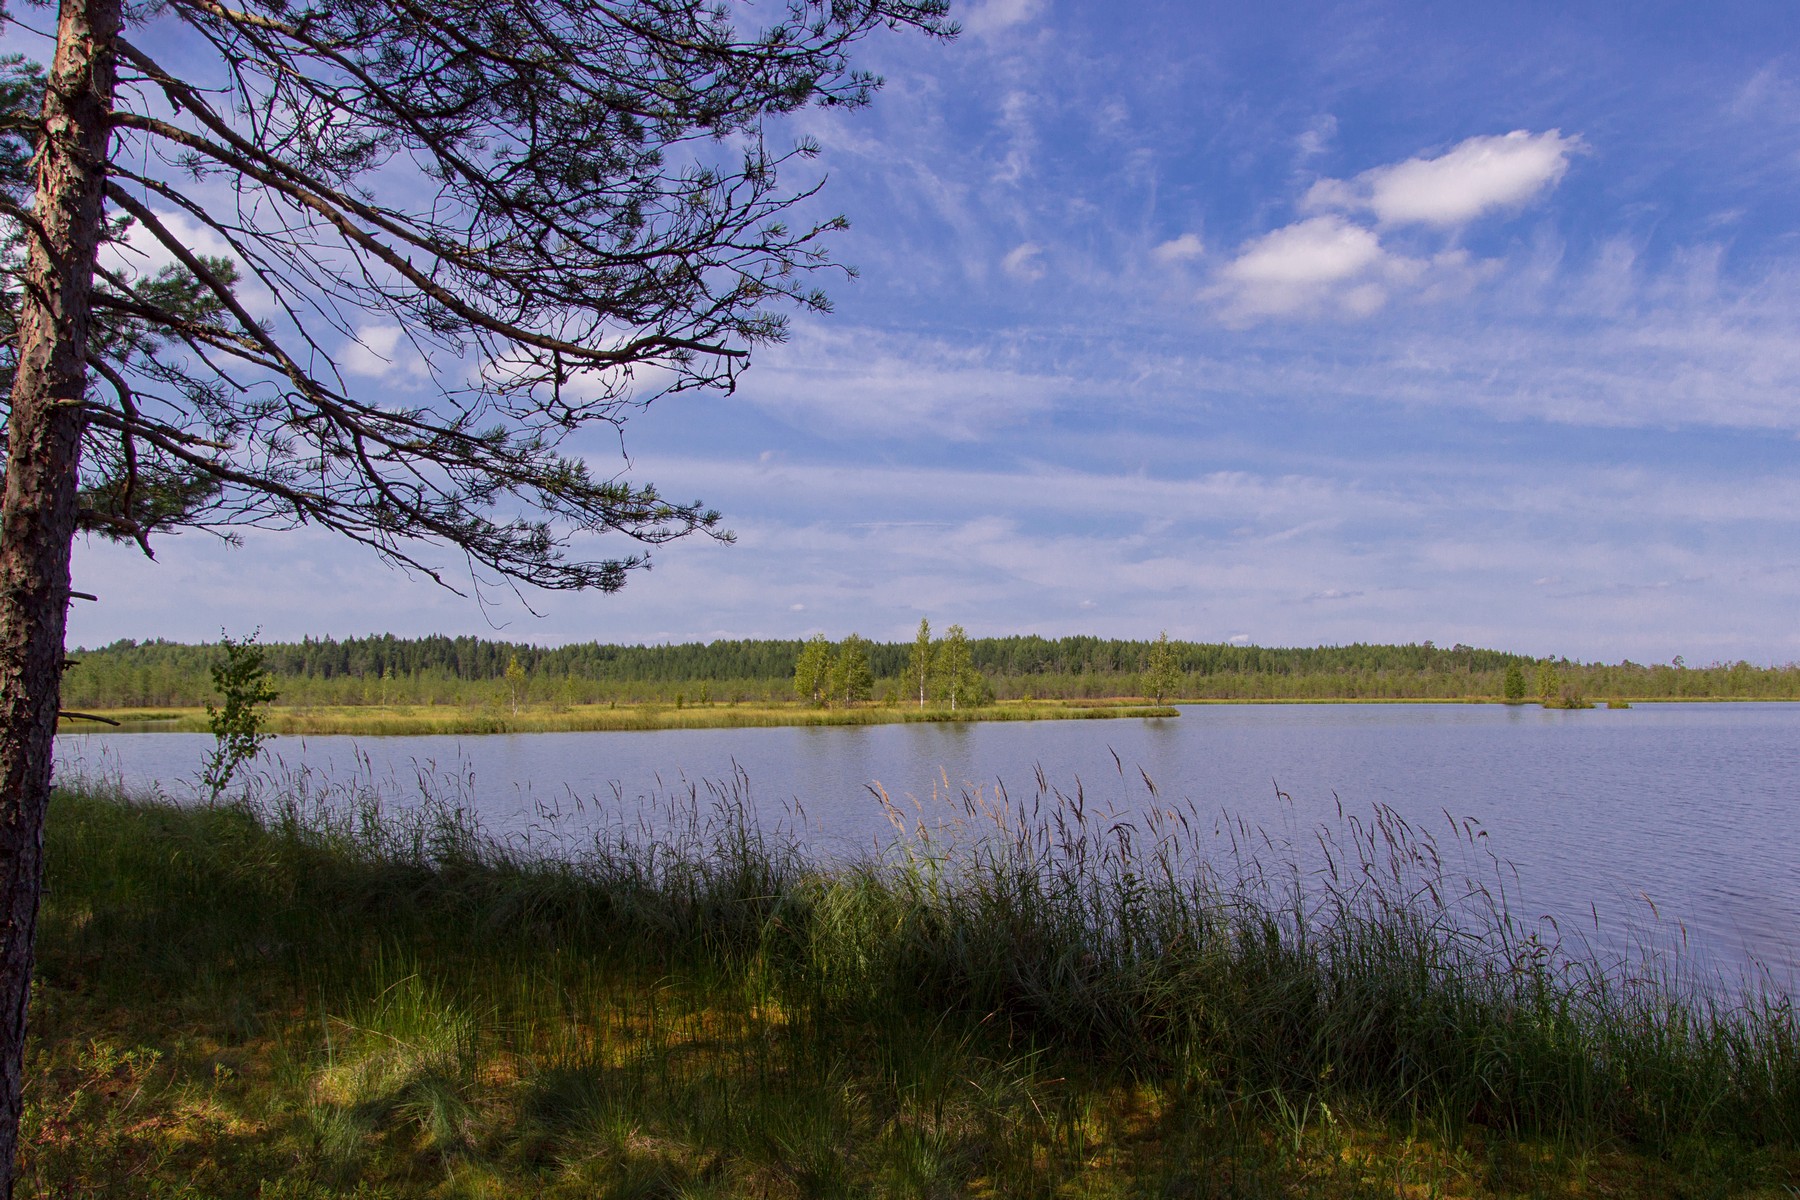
(378, 353)
(635, 382)
(1329, 265)
(1185, 248)
(1336, 263)
(142, 256)
(1311, 253)
(1475, 177)
(371, 355)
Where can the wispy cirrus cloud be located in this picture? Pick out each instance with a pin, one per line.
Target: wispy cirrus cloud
(1635, 561)
(1025, 262)
(886, 383)
(992, 16)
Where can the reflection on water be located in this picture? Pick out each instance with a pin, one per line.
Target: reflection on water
(1602, 813)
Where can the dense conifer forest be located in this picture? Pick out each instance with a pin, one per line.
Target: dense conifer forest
(466, 670)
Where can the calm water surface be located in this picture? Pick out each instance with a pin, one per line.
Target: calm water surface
(1691, 807)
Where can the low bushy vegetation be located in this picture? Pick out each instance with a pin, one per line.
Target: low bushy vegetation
(317, 992)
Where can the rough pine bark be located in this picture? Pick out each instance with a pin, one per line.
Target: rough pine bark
(37, 520)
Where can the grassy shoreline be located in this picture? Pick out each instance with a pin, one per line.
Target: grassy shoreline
(297, 1000)
(400, 720)
(375, 720)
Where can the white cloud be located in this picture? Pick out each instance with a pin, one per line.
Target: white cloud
(1331, 264)
(1605, 341)
(1018, 113)
(1328, 265)
(1024, 261)
(1364, 300)
(1476, 177)
(1185, 248)
(1318, 251)
(1768, 92)
(374, 353)
(1617, 343)
(142, 256)
(641, 381)
(874, 381)
(994, 15)
(1367, 551)
(1316, 138)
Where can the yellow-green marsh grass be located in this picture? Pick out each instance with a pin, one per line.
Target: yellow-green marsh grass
(378, 720)
(308, 998)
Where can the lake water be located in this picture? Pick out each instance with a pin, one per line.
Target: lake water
(1690, 807)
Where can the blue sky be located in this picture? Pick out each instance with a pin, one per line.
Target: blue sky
(1292, 324)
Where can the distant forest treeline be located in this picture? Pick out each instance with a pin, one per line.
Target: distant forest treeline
(467, 670)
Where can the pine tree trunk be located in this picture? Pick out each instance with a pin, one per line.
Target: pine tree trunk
(37, 519)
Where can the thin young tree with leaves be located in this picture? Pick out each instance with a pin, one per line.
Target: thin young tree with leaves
(918, 667)
(545, 201)
(245, 688)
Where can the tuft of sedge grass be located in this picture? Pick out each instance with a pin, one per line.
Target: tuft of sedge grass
(314, 992)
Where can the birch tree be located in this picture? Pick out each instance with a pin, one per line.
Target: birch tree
(953, 667)
(812, 671)
(852, 679)
(515, 682)
(918, 669)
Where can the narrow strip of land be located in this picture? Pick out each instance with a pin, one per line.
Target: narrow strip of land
(405, 719)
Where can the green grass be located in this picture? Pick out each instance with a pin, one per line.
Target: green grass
(380, 720)
(377, 720)
(310, 997)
